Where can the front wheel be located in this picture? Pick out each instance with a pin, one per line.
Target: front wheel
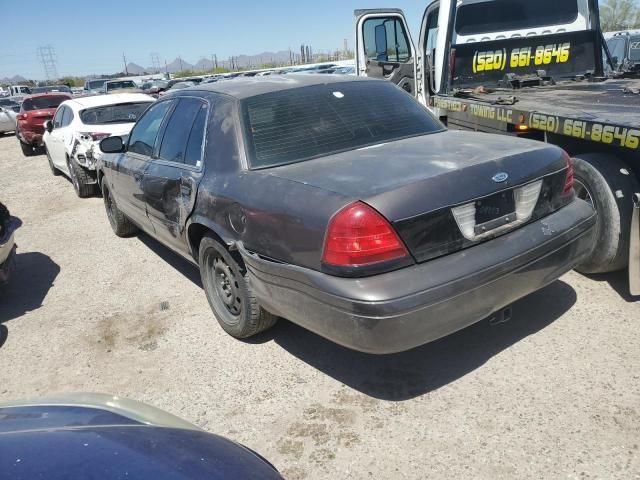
(54, 171)
(229, 293)
(607, 184)
(120, 224)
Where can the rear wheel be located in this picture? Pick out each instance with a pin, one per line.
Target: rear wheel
(81, 179)
(228, 291)
(607, 184)
(27, 150)
(120, 224)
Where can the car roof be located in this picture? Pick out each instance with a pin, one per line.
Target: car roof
(245, 87)
(102, 100)
(49, 94)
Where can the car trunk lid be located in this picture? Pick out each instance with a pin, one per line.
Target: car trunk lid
(417, 182)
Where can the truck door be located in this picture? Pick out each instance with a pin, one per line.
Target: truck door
(384, 48)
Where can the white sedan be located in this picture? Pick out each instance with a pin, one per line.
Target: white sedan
(71, 139)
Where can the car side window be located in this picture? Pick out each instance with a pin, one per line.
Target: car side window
(193, 155)
(57, 119)
(67, 118)
(143, 136)
(178, 130)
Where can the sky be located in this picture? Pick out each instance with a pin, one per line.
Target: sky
(91, 37)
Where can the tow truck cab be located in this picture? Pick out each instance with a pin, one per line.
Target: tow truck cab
(528, 69)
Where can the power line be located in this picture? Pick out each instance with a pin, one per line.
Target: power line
(48, 58)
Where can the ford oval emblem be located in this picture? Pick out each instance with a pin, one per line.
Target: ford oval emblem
(500, 177)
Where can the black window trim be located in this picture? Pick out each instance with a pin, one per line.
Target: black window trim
(156, 150)
(140, 156)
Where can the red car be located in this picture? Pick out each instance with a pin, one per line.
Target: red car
(35, 110)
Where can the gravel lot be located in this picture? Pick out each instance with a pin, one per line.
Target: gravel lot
(555, 393)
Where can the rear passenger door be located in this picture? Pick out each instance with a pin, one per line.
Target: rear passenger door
(384, 48)
(171, 180)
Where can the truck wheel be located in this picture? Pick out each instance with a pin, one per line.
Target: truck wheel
(229, 293)
(54, 171)
(599, 179)
(80, 179)
(27, 150)
(120, 224)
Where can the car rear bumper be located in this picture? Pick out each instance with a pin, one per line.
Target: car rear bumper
(32, 138)
(406, 308)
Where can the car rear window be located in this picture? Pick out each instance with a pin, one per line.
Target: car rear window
(119, 113)
(505, 15)
(119, 85)
(299, 124)
(41, 103)
(634, 49)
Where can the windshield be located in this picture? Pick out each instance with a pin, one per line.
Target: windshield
(7, 102)
(295, 125)
(505, 15)
(122, 84)
(95, 84)
(41, 103)
(120, 113)
(634, 49)
(51, 88)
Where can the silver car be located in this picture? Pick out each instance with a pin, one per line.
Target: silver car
(7, 119)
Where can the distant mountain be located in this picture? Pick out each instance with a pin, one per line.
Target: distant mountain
(135, 69)
(203, 65)
(178, 66)
(13, 80)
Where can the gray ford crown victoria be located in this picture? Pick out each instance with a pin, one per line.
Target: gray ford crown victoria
(344, 206)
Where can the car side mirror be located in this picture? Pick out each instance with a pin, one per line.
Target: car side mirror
(48, 126)
(112, 145)
(381, 42)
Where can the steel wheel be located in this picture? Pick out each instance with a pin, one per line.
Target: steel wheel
(226, 285)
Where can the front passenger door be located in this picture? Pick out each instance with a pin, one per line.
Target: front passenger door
(129, 168)
(384, 48)
(171, 180)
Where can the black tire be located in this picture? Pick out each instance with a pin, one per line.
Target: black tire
(226, 285)
(600, 179)
(54, 171)
(121, 225)
(81, 180)
(27, 150)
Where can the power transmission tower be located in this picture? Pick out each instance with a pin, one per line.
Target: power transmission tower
(126, 69)
(48, 58)
(155, 62)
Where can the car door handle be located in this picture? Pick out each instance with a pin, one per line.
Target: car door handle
(137, 177)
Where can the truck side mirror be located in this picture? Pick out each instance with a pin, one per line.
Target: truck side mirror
(48, 126)
(381, 42)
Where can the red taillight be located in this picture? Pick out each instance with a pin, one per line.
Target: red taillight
(23, 116)
(358, 235)
(568, 183)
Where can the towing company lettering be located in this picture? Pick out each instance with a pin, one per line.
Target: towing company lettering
(521, 57)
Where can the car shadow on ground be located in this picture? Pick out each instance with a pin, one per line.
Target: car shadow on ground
(33, 276)
(618, 281)
(183, 266)
(411, 374)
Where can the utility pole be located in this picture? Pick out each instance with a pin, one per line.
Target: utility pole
(166, 68)
(155, 61)
(180, 60)
(126, 70)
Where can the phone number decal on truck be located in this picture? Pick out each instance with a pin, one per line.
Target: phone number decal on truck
(521, 57)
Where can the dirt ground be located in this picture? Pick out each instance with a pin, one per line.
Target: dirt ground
(555, 393)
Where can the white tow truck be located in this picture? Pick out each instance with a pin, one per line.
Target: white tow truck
(533, 70)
